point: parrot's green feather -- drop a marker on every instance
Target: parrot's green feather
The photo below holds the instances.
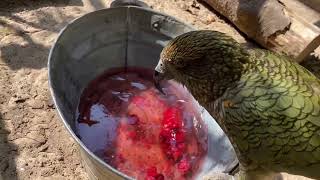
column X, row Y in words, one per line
column 285, row 109
column 268, row 105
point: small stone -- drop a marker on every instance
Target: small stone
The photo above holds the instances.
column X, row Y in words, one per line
column 50, row 103
column 210, row 19
column 43, row 148
column 195, row 4
column 20, row 99
column 192, row 11
column 61, row 158
column 184, row 7
column 36, row 104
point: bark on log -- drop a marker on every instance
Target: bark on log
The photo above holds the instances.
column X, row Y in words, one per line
column 284, row 26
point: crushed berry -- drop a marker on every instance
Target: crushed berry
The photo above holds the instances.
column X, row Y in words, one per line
column 159, row 177
column 184, row 166
column 152, row 174
column 152, row 171
column 172, row 134
column 138, row 130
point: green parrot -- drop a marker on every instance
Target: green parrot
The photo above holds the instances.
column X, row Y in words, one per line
column 267, row 105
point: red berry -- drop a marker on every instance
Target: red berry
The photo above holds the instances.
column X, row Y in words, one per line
column 153, row 175
column 159, row 177
column 132, row 135
column 138, row 100
column 150, row 178
column 172, row 134
column 121, row 158
column 180, row 136
column 181, row 146
column 184, row 166
column 152, row 171
column 172, row 118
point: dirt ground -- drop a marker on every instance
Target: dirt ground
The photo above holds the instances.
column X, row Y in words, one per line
column 33, row 142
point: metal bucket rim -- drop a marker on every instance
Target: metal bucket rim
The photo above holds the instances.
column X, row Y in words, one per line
column 54, row 98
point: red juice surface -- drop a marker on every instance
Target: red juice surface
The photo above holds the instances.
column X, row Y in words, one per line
column 125, row 121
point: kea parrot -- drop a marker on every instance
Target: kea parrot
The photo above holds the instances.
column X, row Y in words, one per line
column 267, row 105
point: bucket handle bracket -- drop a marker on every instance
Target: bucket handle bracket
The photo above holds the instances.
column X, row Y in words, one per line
column 123, row 3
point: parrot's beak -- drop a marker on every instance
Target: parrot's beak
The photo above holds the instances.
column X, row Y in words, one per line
column 158, row 77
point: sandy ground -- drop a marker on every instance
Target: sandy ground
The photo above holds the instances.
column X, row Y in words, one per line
column 33, row 142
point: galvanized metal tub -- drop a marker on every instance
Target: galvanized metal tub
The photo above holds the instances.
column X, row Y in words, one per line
column 116, row 37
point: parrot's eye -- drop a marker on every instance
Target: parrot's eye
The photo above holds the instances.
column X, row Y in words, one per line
column 165, row 60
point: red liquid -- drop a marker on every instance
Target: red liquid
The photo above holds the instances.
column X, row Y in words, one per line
column 130, row 125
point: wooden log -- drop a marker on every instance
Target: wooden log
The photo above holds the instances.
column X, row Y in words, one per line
column 284, row 26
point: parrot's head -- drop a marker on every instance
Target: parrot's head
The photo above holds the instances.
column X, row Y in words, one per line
column 205, row 62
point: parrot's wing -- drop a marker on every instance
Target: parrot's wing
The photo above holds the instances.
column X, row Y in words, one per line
column 275, row 113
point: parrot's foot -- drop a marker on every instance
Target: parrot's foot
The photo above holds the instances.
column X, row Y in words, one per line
column 218, row 176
